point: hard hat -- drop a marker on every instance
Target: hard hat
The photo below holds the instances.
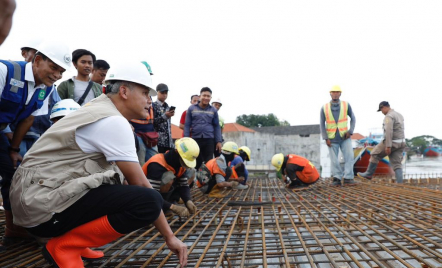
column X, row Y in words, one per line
column 135, row 72
column 32, row 43
column 218, row 100
column 147, row 66
column 58, row 52
column 230, row 146
column 246, row 150
column 189, row 150
column 64, row 107
column 277, row 161
column 336, row 88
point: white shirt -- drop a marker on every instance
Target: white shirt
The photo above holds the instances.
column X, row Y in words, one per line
column 80, row 88
column 29, row 76
column 111, row 136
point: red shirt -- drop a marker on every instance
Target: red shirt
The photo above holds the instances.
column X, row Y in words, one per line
column 183, row 119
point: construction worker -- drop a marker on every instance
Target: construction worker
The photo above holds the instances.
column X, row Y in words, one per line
column 72, row 188
column 63, row 108
column 214, row 175
column 392, row 145
column 24, row 93
column 171, row 174
column 244, row 155
column 336, row 133
column 300, row 171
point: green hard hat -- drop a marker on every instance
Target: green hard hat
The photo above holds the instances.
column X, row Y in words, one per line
column 148, row 67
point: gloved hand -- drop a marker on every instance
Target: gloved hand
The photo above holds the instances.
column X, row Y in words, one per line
column 191, row 207
column 180, row 211
column 234, row 184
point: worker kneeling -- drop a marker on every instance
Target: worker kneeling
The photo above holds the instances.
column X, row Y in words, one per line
column 300, row 171
column 171, row 174
column 69, row 187
column 213, row 175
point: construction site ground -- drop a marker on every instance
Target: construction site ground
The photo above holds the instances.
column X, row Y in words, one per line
column 373, row 224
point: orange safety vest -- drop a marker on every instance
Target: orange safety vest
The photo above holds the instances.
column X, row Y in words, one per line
column 159, row 158
column 234, row 173
column 213, row 168
column 309, row 174
column 330, row 123
column 149, row 118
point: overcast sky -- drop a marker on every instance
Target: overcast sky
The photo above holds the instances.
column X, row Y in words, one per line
column 263, row 57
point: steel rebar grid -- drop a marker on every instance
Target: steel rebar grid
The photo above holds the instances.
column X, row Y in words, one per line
column 370, row 225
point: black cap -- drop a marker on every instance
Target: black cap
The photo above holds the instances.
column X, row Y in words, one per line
column 162, row 88
column 383, row 104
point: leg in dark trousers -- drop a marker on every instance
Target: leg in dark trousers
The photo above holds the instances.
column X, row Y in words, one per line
column 206, row 150
column 127, row 207
column 6, row 170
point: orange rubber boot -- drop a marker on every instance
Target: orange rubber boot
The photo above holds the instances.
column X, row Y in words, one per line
column 88, row 253
column 65, row 251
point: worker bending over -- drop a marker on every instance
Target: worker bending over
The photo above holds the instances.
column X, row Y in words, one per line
column 171, row 174
column 244, row 155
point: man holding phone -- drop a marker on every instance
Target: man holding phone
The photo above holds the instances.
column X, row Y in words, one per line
column 162, row 124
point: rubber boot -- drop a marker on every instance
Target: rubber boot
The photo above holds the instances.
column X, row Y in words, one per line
column 65, row 250
column 13, row 233
column 399, row 175
column 368, row 174
column 88, row 253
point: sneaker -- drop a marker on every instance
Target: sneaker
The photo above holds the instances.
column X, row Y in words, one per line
column 363, row 176
column 336, row 182
column 350, row 182
column 241, row 187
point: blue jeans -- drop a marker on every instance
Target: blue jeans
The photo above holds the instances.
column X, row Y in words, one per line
column 145, row 153
column 27, row 143
column 347, row 152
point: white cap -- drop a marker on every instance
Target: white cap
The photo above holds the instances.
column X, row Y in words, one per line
column 58, row 52
column 218, row 100
column 134, row 72
column 64, row 107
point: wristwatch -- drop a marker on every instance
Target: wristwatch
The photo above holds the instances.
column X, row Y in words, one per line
column 17, row 150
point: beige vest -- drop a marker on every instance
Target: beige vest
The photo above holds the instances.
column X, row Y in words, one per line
column 55, row 172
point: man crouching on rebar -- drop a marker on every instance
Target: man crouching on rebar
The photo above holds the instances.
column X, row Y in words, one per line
column 69, row 187
column 213, row 175
column 301, row 172
column 171, row 174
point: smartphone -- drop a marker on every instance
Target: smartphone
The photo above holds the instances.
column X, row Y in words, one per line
column 172, row 108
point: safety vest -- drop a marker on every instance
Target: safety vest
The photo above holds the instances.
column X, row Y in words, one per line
column 330, row 123
column 309, row 174
column 13, row 107
column 159, row 158
column 212, row 167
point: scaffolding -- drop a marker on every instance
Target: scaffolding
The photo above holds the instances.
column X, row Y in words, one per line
column 373, row 224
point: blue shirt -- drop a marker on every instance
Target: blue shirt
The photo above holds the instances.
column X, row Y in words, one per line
column 238, row 160
column 202, row 123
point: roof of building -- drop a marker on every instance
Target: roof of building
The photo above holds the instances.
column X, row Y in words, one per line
column 290, row 130
column 234, row 127
column 177, row 132
column 357, row 136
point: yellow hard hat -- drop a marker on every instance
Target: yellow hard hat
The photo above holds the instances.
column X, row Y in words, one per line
column 336, row 88
column 188, row 150
column 230, row 146
column 277, row 161
column 246, row 150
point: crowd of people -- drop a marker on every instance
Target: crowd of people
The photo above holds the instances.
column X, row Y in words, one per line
column 91, row 159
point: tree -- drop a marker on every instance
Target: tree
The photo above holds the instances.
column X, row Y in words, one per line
column 253, row 120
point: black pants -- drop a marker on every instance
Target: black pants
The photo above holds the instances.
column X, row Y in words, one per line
column 127, row 207
column 207, row 147
column 6, row 170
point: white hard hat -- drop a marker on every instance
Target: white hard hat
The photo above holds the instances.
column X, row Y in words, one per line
column 135, row 72
column 33, row 42
column 218, row 100
column 58, row 52
column 64, row 107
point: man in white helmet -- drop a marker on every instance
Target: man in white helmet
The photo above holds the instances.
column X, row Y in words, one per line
column 24, row 91
column 63, row 108
column 70, row 188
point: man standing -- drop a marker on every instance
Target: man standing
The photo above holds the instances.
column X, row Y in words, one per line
column 202, row 124
column 81, row 88
column 393, row 144
column 336, row 133
column 217, row 104
column 24, row 93
column 99, row 71
column 71, row 188
column 162, row 123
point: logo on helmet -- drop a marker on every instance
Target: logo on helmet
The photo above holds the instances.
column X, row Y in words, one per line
column 67, row 58
column 183, row 147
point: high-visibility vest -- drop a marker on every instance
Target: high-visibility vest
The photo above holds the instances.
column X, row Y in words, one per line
column 309, row 174
column 159, row 158
column 213, row 168
column 330, row 123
